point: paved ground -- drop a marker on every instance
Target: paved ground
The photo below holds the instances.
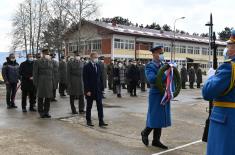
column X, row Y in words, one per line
column 65, row 134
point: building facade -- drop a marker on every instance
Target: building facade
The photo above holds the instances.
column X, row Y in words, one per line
column 128, row 42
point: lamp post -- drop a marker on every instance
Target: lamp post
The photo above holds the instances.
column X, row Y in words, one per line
column 210, row 24
column 174, row 38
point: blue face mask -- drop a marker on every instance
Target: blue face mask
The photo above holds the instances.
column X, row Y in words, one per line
column 225, row 54
column 161, row 57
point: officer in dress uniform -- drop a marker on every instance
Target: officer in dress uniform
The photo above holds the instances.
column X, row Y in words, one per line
column 219, row 88
column 43, row 81
column 75, row 83
column 158, row 116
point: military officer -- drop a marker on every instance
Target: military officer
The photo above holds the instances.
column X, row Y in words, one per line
column 158, row 116
column 43, row 81
column 56, row 76
column 219, row 88
column 75, row 82
column 103, row 68
column 62, row 76
column 110, row 74
column 184, row 76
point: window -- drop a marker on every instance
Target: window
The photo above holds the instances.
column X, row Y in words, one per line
column 182, row 49
column 204, row 51
column 196, row 50
column 190, row 50
column 220, row 52
column 177, row 49
column 96, row 45
column 167, row 48
column 124, row 44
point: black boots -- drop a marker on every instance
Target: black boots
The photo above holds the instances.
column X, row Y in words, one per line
column 144, row 134
column 156, row 137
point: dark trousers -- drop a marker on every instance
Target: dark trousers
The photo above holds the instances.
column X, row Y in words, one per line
column 114, row 88
column 32, row 98
column 198, row 85
column 148, row 85
column 183, row 85
column 43, row 106
column 62, row 88
column 123, row 86
column 133, row 85
column 54, row 93
column 142, row 84
column 99, row 109
column 191, row 85
column 110, row 84
column 81, row 103
column 11, row 93
column 157, row 132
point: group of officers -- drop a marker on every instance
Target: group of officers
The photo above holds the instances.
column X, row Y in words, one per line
column 191, row 75
column 128, row 75
column 41, row 75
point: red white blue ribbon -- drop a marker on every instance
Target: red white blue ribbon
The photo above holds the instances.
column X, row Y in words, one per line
column 169, row 93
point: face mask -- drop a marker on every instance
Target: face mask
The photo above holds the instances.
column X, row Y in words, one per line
column 102, row 61
column 30, row 59
column 135, row 64
column 120, row 65
column 78, row 58
column 161, row 57
column 48, row 57
column 96, row 60
column 225, row 54
column 13, row 59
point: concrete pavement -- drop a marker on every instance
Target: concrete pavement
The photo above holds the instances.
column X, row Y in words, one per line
column 66, row 134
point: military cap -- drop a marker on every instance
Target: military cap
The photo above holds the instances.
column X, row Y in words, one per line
column 46, row 51
column 232, row 38
column 101, row 58
column 153, row 49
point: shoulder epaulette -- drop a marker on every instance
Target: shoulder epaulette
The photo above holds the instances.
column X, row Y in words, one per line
column 228, row 60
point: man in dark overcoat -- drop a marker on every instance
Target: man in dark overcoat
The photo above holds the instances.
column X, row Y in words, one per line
column 75, row 83
column 27, row 87
column 43, row 81
column 184, row 76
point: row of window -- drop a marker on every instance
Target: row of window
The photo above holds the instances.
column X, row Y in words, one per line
column 189, row 49
column 124, row 44
column 94, row 45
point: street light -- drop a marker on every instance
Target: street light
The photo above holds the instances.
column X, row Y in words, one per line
column 174, row 38
column 210, row 24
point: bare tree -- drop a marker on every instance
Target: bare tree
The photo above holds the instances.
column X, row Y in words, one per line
column 78, row 11
column 19, row 31
column 28, row 22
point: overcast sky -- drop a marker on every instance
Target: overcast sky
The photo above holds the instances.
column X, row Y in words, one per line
column 197, row 13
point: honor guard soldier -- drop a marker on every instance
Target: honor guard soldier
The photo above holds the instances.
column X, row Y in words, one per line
column 43, row 81
column 219, row 88
column 158, row 116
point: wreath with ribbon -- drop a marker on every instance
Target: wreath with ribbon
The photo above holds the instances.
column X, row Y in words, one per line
column 168, row 82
